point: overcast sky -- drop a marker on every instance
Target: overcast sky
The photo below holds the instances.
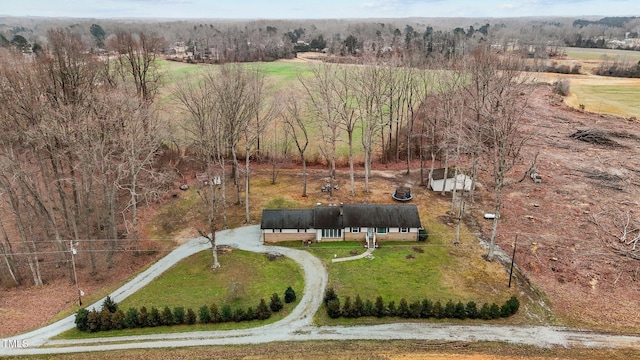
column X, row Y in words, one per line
column 305, row 9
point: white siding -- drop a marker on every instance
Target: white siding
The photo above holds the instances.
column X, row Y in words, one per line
column 463, row 183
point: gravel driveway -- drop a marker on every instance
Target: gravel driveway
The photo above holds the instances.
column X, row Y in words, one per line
column 297, row 326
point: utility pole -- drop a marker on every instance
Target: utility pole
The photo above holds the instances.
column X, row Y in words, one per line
column 515, row 243
column 75, row 275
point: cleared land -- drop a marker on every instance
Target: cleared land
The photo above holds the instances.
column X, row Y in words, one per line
column 560, row 248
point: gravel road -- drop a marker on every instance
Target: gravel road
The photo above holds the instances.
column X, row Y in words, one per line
column 297, row 326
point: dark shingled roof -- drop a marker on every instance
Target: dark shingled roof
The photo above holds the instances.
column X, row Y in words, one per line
column 327, row 217
column 287, row 219
column 438, row 174
column 354, row 215
column 375, row 215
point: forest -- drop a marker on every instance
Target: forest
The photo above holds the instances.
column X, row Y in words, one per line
column 219, row 41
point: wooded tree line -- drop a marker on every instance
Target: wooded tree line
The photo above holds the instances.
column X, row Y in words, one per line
column 223, row 41
column 81, row 141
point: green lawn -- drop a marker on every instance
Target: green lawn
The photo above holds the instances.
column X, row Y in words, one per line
column 242, row 280
column 191, row 283
column 282, row 203
column 396, row 271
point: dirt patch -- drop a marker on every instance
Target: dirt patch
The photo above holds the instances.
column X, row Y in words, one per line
column 447, row 219
column 273, row 256
column 418, row 250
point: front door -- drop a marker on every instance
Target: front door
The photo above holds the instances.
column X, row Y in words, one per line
column 370, row 238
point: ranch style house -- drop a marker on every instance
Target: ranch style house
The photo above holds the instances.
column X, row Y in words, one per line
column 370, row 223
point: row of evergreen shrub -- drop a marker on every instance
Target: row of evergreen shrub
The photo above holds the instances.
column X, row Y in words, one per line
column 424, row 309
column 110, row 317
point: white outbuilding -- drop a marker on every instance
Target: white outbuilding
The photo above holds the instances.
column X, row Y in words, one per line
column 437, row 180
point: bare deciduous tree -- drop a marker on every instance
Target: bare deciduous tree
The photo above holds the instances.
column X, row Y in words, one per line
column 206, row 127
column 344, row 89
column 62, row 157
column 501, row 129
column 622, row 230
column 219, row 111
column 137, row 60
column 372, row 81
column 297, row 127
column 263, row 115
column 322, row 104
column 140, row 144
column 237, row 91
column 278, row 151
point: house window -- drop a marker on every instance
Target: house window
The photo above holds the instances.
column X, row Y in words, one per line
column 404, row 230
column 382, row 230
column 355, row 229
column 332, row 233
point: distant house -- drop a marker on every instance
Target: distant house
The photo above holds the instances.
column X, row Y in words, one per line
column 370, row 223
column 437, row 180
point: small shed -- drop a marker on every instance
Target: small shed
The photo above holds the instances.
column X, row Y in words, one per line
column 437, row 181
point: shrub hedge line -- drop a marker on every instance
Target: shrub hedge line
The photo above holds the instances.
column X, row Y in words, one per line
column 425, row 309
column 111, row 317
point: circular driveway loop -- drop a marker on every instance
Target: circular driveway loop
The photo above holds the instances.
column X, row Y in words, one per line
column 297, row 326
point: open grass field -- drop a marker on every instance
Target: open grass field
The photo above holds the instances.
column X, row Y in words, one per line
column 283, row 73
column 601, row 54
column 622, row 99
column 281, row 77
column 597, row 94
column 600, row 94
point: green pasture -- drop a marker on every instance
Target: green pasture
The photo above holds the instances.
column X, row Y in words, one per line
column 284, row 73
column 281, row 76
column 614, row 98
column 279, row 73
column 175, row 71
column 601, row 54
column 621, row 100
